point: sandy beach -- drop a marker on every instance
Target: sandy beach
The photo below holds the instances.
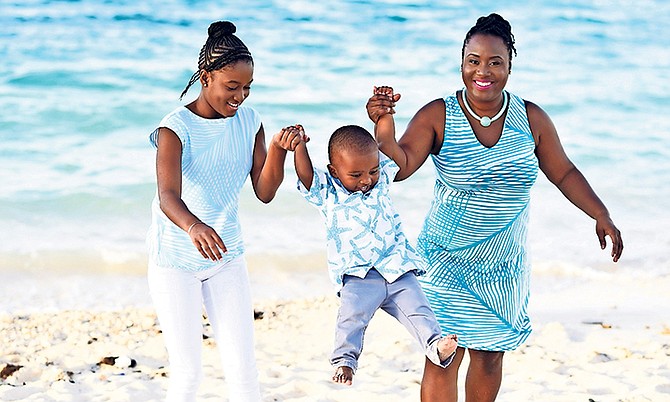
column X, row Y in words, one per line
column 594, row 340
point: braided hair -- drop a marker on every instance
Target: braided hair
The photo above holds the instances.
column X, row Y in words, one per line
column 221, row 49
column 494, row 25
column 352, row 137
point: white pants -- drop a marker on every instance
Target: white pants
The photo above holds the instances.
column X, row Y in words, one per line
column 178, row 297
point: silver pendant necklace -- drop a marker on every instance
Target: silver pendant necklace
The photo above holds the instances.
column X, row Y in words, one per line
column 485, row 121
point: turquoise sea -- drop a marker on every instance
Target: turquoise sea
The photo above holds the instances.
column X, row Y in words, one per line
column 83, row 83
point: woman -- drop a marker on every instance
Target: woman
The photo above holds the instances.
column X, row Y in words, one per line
column 487, row 145
column 205, row 152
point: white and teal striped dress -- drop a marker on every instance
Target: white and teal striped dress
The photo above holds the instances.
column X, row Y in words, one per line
column 474, row 237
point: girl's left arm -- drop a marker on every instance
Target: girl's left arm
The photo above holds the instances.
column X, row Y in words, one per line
column 267, row 169
column 560, row 171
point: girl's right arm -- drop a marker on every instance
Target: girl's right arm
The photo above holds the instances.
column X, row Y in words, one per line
column 168, row 175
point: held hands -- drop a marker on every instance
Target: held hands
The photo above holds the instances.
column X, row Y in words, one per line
column 290, row 137
column 207, row 241
column 382, row 102
column 605, row 227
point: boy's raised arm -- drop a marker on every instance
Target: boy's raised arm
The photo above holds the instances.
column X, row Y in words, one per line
column 380, row 110
column 302, row 161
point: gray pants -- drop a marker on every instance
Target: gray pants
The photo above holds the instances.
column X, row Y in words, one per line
column 403, row 299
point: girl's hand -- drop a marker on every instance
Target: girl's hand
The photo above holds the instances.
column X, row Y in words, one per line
column 290, row 137
column 381, row 102
column 207, row 241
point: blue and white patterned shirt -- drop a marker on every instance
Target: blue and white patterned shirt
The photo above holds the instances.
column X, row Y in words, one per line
column 363, row 230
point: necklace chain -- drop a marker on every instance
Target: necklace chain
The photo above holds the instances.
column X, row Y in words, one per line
column 485, row 121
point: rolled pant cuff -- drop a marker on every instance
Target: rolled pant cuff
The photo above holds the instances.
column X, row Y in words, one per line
column 344, row 362
column 434, row 357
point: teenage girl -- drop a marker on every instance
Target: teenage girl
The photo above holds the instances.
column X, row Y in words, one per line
column 205, row 152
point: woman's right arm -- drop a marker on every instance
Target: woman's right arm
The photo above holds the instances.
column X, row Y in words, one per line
column 168, row 177
column 421, row 138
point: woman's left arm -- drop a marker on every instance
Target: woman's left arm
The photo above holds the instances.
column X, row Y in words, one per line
column 267, row 169
column 560, row 171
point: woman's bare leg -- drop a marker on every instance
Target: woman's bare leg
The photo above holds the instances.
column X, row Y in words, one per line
column 441, row 384
column 484, row 376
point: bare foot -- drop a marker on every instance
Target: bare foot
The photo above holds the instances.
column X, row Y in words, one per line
column 344, row 375
column 446, row 347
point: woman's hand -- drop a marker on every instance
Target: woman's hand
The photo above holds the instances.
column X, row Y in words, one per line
column 381, row 102
column 605, row 227
column 207, row 241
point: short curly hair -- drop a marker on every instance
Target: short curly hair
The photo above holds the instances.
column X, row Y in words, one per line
column 350, row 137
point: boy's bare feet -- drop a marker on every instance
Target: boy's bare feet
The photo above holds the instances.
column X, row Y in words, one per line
column 446, row 346
column 344, row 375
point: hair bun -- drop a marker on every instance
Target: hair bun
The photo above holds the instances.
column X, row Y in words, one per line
column 221, row 28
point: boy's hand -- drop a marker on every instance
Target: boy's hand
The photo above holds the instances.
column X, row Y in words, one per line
column 304, row 137
column 381, row 103
column 290, row 137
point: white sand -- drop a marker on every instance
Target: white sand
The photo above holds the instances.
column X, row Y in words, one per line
column 605, row 339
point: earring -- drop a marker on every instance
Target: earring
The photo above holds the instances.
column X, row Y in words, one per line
column 204, row 85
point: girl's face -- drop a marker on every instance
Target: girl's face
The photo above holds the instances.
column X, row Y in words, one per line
column 224, row 90
column 485, row 67
column 357, row 171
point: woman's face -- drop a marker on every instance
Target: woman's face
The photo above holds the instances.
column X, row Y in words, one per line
column 228, row 87
column 486, row 66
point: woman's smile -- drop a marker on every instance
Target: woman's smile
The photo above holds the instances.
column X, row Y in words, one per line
column 483, row 84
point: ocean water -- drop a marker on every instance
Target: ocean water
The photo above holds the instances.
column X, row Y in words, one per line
column 83, row 83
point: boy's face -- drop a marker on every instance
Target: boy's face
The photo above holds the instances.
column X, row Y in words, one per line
column 358, row 171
